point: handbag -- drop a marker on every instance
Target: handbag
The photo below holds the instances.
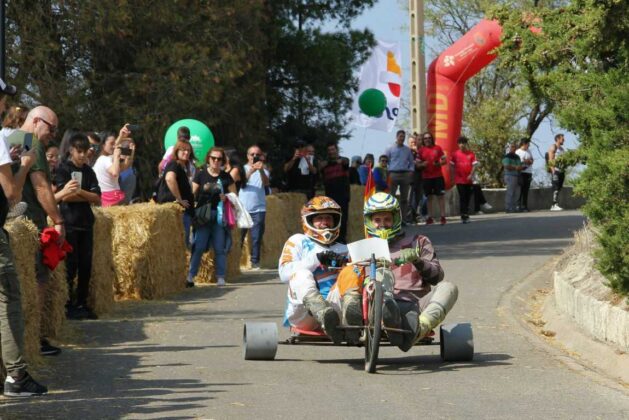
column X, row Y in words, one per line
column 203, row 214
column 243, row 218
column 229, row 216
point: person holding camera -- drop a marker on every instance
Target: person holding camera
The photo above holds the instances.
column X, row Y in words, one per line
column 300, row 169
column 253, row 198
column 18, row 382
column 116, row 156
column 209, row 186
column 77, row 190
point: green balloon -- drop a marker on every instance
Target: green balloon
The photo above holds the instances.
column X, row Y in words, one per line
column 372, row 102
column 201, row 137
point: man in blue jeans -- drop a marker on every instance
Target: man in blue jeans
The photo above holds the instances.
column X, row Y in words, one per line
column 253, row 197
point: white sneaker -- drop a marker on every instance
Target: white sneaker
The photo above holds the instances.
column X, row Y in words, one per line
column 220, row 281
column 17, row 210
column 487, row 207
column 555, row 207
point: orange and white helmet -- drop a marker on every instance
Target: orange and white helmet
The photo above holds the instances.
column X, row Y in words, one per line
column 321, row 205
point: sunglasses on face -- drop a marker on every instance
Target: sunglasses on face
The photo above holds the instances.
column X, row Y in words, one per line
column 218, row 158
column 384, row 161
column 51, row 127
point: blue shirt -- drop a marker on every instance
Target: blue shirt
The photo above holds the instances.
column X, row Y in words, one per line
column 253, row 195
column 400, row 158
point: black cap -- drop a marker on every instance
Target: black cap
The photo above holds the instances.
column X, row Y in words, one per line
column 6, row 88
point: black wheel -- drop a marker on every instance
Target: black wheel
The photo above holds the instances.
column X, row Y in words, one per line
column 374, row 328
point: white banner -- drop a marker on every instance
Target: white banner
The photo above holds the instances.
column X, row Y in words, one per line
column 382, row 71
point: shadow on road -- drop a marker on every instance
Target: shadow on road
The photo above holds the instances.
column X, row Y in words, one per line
column 420, row 364
column 96, row 375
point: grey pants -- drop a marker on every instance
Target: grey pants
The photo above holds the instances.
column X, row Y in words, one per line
column 405, row 181
column 513, row 192
column 11, row 321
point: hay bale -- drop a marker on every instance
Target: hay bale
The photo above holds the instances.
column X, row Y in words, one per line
column 55, row 302
column 282, row 220
column 101, row 297
column 245, row 254
column 25, row 243
column 148, row 249
column 206, row 272
column 355, row 228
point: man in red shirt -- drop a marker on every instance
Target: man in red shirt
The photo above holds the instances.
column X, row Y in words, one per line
column 463, row 163
column 432, row 159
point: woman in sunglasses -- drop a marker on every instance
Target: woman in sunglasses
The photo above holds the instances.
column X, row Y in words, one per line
column 209, row 186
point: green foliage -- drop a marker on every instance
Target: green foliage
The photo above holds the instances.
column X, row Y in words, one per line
column 497, row 100
column 581, row 62
column 254, row 71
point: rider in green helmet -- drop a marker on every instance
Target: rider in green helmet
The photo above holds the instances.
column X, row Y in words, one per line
column 416, row 297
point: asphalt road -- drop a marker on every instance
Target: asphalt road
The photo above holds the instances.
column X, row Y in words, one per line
column 182, row 358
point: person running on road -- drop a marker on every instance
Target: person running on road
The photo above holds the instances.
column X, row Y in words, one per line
column 416, row 298
column 308, row 264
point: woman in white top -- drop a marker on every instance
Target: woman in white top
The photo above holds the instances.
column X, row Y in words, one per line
column 526, row 175
column 111, row 163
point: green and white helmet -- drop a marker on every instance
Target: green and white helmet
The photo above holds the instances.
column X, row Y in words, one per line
column 381, row 202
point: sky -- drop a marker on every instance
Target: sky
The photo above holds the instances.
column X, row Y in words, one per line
column 389, row 22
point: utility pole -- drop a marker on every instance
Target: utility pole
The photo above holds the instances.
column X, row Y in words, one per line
column 418, row 66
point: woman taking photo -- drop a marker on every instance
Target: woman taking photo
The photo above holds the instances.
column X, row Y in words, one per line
column 116, row 156
column 209, row 186
column 176, row 186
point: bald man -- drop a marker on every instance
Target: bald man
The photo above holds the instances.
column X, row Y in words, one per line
column 42, row 122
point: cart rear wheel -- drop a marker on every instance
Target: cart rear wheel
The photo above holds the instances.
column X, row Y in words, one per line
column 373, row 331
column 456, row 342
column 259, row 340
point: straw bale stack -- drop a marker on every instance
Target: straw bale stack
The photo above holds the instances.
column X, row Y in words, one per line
column 355, row 228
column 101, row 298
column 25, row 243
column 148, row 249
column 55, row 303
column 206, row 272
column 282, row 220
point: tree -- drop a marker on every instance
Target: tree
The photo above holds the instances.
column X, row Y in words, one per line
column 581, row 62
column 498, row 108
column 99, row 64
column 311, row 81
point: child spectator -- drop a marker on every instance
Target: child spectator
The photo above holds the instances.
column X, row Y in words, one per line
column 110, row 164
column 78, row 190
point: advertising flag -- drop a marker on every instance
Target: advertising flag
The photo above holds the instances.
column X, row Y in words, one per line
column 377, row 103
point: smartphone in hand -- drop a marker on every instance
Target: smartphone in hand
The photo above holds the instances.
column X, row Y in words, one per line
column 78, row 177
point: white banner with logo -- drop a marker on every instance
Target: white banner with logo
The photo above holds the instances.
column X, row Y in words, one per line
column 382, row 71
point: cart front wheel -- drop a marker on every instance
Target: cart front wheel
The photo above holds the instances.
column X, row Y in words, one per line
column 373, row 331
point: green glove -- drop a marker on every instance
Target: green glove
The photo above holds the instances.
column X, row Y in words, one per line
column 408, row 255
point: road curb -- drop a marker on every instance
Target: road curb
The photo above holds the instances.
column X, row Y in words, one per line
column 521, row 306
column 580, row 294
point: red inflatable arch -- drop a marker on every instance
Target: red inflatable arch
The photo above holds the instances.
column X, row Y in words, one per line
column 446, row 84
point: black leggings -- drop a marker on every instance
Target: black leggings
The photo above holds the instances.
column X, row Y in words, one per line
column 523, row 201
column 465, row 193
column 79, row 262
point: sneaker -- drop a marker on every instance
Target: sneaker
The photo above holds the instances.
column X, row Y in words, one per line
column 17, row 210
column 430, row 221
column 189, row 284
column 555, row 207
column 255, row 267
column 352, row 315
column 220, row 281
column 47, row 349
column 465, row 221
column 479, row 212
column 25, row 387
column 79, row 312
column 487, row 207
column 443, row 220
